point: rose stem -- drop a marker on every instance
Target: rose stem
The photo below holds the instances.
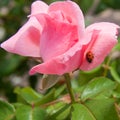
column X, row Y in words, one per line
column 106, row 66
column 69, row 87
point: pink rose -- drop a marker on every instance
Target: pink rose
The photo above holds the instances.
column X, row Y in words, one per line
column 56, row 33
column 103, row 38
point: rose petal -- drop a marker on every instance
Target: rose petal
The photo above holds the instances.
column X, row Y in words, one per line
column 72, row 13
column 26, row 41
column 103, row 39
column 64, row 63
column 39, row 7
column 56, row 38
column 57, row 15
column 105, row 27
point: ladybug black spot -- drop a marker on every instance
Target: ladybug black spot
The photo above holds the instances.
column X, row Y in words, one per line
column 89, row 56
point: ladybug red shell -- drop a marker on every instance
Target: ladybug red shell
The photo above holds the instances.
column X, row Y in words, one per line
column 89, row 56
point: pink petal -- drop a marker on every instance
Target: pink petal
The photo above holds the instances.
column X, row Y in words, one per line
column 64, row 63
column 39, row 7
column 103, row 39
column 72, row 13
column 26, row 41
column 105, row 27
column 56, row 38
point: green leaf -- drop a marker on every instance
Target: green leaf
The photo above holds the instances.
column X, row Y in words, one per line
column 25, row 112
column 80, row 112
column 17, row 105
column 52, row 109
column 115, row 74
column 59, row 111
column 103, row 109
column 116, row 92
column 59, row 90
column 47, row 98
column 7, row 111
column 28, row 94
column 97, row 86
column 64, row 113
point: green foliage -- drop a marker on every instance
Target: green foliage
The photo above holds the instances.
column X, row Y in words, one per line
column 7, row 111
column 114, row 73
column 97, row 86
column 25, row 112
column 80, row 112
column 28, row 94
column 102, row 109
column 92, row 104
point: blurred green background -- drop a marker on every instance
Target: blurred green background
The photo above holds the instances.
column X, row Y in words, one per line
column 13, row 14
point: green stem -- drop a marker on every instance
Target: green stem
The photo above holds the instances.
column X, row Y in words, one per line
column 106, row 67
column 69, row 87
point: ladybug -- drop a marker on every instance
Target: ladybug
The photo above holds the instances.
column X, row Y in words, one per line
column 89, row 56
